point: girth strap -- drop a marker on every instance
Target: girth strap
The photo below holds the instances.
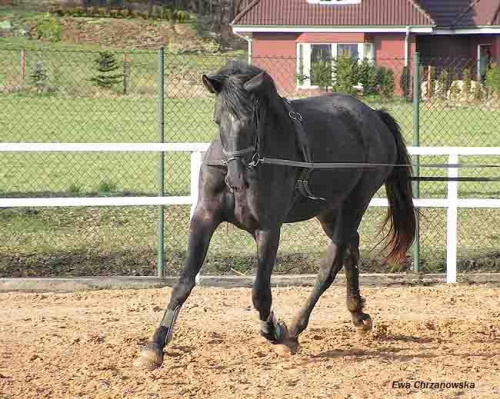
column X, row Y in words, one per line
column 303, row 181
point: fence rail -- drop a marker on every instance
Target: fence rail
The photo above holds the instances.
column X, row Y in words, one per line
column 452, row 201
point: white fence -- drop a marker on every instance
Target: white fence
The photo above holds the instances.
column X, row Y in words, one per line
column 451, row 202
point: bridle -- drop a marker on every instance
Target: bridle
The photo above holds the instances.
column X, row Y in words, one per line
column 302, row 184
column 253, row 148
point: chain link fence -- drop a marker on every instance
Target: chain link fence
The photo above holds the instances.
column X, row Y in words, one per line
column 113, row 97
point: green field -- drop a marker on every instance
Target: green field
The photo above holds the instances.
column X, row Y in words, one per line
column 102, row 241
column 40, row 118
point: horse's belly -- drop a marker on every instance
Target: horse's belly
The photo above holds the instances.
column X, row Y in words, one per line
column 331, row 188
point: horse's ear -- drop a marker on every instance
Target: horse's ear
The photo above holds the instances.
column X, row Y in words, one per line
column 257, row 82
column 213, row 83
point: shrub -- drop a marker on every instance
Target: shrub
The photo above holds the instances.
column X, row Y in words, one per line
column 367, row 77
column 74, row 189
column 106, row 66
column 181, row 16
column 466, row 76
column 477, row 91
column 49, row 28
column 345, row 73
column 443, row 84
column 321, row 73
column 39, row 76
column 405, row 82
column 492, row 80
column 386, row 82
column 106, row 187
column 431, row 81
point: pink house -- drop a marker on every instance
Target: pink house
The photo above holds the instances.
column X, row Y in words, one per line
column 288, row 35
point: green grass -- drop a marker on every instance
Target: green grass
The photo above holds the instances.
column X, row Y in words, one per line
column 110, row 241
column 105, row 241
column 55, row 118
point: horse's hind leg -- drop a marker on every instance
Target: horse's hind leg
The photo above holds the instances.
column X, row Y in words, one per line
column 330, row 266
column 355, row 302
column 202, row 226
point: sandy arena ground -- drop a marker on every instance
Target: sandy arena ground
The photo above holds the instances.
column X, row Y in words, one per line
column 83, row 344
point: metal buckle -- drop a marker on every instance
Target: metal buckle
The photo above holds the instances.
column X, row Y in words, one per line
column 295, row 116
column 256, row 159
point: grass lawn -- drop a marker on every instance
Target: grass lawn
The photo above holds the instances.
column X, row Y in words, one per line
column 55, row 118
column 122, row 241
column 104, row 241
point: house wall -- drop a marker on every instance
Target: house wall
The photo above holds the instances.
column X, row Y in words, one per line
column 444, row 46
column 343, row 38
column 456, row 52
column 276, row 53
column 390, row 53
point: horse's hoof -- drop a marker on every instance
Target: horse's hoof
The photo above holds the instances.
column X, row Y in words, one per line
column 287, row 347
column 292, row 344
column 365, row 325
column 149, row 359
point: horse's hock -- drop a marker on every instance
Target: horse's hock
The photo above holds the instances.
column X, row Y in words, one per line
column 83, row 344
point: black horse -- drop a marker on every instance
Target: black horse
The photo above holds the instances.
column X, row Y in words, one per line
column 240, row 184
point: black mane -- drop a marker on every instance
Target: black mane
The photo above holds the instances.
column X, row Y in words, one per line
column 235, row 98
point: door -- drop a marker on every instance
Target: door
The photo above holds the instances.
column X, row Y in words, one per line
column 483, row 60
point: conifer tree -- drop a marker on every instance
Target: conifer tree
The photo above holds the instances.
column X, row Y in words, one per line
column 107, row 66
column 39, row 76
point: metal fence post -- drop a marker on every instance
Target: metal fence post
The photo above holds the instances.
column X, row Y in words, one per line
column 416, row 160
column 23, row 65
column 161, row 163
column 125, row 74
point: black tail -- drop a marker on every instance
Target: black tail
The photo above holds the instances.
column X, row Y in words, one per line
column 401, row 217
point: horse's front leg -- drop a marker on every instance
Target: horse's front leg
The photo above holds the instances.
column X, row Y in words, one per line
column 267, row 246
column 202, row 226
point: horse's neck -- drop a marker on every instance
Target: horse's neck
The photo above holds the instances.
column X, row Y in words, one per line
column 278, row 138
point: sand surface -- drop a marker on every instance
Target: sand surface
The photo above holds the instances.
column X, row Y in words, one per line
column 82, row 345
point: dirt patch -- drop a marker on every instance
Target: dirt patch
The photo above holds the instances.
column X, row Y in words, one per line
column 82, row 345
column 116, row 33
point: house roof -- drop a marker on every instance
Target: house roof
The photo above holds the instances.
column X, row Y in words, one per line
column 300, row 12
column 442, row 13
column 462, row 13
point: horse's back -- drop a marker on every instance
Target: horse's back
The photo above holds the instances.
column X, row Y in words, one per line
column 343, row 128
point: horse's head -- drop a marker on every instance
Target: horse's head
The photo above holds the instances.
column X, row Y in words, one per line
column 240, row 91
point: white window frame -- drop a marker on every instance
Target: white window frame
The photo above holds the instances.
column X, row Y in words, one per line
column 303, row 52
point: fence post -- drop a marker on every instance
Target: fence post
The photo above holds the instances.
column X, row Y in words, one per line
column 196, row 160
column 416, row 158
column 23, row 65
column 452, row 222
column 125, row 74
column 161, row 163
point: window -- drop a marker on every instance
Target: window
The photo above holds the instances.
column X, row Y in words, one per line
column 321, row 56
column 316, row 60
column 350, row 50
